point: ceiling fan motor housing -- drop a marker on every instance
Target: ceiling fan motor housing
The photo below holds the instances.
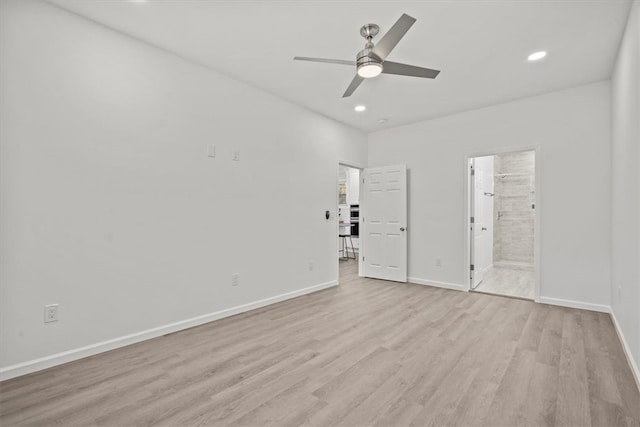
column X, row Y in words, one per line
column 366, row 57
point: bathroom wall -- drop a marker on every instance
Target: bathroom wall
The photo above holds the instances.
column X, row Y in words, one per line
column 514, row 225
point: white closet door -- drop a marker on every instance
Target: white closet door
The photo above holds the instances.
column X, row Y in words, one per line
column 384, row 223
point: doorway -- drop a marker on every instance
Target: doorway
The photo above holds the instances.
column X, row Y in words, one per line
column 348, row 217
column 502, row 224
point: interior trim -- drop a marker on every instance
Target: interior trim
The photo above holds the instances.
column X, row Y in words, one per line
column 575, row 304
column 627, row 350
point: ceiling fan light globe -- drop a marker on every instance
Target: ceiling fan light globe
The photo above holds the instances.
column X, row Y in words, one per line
column 369, row 70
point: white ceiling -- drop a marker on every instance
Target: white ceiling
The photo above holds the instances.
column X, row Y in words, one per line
column 480, row 46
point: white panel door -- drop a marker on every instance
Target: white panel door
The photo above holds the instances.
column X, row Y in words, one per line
column 384, row 223
column 482, row 256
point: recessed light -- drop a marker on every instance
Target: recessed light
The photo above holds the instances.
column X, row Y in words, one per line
column 360, row 108
column 382, row 121
column 535, row 56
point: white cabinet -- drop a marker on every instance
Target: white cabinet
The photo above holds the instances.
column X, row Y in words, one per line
column 353, row 186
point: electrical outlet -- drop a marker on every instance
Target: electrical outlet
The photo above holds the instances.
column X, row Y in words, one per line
column 235, row 279
column 310, row 265
column 50, row 313
column 236, row 156
column 438, row 262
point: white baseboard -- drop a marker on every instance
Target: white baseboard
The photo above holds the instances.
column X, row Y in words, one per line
column 575, row 304
column 627, row 351
column 90, row 350
column 454, row 286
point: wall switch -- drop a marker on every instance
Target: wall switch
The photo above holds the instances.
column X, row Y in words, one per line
column 236, row 156
column 311, row 266
column 235, row 279
column 438, row 262
column 50, row 313
column 211, row 150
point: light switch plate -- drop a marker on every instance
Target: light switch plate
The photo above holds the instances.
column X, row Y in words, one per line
column 211, row 150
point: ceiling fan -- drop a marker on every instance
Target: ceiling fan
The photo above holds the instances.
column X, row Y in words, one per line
column 371, row 61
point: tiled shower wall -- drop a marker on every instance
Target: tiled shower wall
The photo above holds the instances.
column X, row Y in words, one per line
column 514, row 214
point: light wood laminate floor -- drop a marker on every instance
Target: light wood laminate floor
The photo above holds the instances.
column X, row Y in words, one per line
column 368, row 352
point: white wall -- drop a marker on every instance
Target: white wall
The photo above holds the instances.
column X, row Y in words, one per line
column 110, row 206
column 571, row 129
column 625, row 195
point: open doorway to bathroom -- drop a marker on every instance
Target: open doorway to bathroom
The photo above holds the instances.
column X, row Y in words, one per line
column 503, row 224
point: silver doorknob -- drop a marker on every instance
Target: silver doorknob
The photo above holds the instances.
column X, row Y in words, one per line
column 401, row 228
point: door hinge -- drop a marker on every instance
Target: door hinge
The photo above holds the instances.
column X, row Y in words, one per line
column 363, row 259
column 473, row 171
column 472, row 268
column 473, row 220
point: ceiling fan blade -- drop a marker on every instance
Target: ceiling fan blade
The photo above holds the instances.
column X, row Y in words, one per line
column 393, row 36
column 328, row 61
column 353, row 86
column 389, row 67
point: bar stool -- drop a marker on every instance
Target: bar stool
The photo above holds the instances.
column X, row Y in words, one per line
column 345, row 248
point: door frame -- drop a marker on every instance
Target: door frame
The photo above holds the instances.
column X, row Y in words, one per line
column 467, row 211
column 471, row 167
column 360, row 167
